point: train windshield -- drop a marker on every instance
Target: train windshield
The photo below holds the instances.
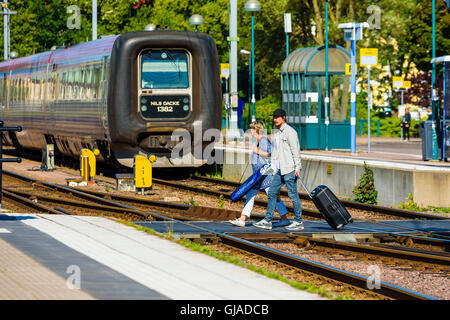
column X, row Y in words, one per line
column 164, row 69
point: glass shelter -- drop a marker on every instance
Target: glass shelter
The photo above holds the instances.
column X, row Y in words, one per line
column 303, row 94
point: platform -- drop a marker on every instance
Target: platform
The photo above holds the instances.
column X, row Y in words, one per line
column 398, row 170
column 110, row 260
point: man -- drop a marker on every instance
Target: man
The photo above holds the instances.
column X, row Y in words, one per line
column 406, row 123
column 286, row 165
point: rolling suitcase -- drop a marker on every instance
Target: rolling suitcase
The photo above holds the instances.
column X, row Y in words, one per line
column 329, row 206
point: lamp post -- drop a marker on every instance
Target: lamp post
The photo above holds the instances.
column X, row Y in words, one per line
column 327, row 94
column 287, row 30
column 94, row 19
column 353, row 31
column 253, row 6
column 196, row 20
column 6, row 12
column 434, row 97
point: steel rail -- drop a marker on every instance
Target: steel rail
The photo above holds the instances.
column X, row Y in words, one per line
column 414, row 238
column 305, row 211
column 420, row 256
column 77, row 204
column 350, row 204
column 350, row 278
column 30, row 203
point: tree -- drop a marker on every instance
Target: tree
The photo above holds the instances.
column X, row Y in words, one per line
column 365, row 191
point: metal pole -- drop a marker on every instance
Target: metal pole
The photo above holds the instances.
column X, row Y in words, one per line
column 249, row 118
column 287, row 44
column 233, row 38
column 369, row 106
column 433, row 86
column 227, row 104
column 6, row 31
column 353, row 95
column 327, row 97
column 444, row 127
column 94, row 19
column 253, row 67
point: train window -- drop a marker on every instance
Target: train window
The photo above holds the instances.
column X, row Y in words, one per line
column 164, row 69
column 97, row 76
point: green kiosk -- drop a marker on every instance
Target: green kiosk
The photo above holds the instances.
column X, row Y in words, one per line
column 303, row 94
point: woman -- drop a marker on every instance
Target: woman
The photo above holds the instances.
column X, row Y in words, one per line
column 260, row 155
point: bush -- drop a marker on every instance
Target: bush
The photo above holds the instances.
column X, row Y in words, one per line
column 365, row 191
column 264, row 108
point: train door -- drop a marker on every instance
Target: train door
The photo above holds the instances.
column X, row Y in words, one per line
column 51, row 96
column 103, row 109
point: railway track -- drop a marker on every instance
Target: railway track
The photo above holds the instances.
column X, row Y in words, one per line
column 215, row 183
column 116, row 205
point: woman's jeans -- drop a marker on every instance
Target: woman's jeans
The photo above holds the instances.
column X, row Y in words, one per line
column 250, row 201
column 290, row 180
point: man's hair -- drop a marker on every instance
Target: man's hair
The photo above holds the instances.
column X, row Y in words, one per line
column 258, row 125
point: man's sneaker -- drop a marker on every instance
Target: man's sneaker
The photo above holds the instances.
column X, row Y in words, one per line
column 281, row 223
column 263, row 224
column 295, row 226
column 237, row 222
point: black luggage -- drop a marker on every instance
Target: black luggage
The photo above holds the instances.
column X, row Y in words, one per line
column 329, row 206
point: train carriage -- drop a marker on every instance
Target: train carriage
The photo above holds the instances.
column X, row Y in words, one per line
column 123, row 94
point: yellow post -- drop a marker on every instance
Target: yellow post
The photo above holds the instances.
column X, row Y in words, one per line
column 143, row 171
column 85, row 168
column 88, row 165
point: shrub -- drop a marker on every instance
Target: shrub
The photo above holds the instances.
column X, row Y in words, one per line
column 365, row 191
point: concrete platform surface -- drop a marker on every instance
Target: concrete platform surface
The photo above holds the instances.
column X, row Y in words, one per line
column 109, row 260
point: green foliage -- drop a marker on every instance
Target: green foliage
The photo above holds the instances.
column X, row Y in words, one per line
column 191, row 202
column 264, row 108
column 404, row 24
column 409, row 204
column 365, row 191
column 220, row 202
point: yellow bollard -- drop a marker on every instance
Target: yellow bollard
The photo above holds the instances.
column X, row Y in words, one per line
column 85, row 168
column 143, row 171
column 88, row 165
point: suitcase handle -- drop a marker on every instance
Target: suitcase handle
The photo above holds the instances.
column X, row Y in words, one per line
column 304, row 187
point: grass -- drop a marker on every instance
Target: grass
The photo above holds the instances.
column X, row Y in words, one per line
column 409, row 204
column 220, row 202
column 224, row 256
column 191, row 202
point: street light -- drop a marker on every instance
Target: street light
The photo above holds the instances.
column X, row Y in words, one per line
column 196, row 20
column 253, row 6
column 6, row 31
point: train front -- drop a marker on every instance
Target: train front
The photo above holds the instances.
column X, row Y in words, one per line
column 164, row 94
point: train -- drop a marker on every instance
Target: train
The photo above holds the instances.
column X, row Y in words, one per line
column 122, row 94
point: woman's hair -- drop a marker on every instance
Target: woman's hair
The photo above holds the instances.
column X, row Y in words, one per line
column 258, row 125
